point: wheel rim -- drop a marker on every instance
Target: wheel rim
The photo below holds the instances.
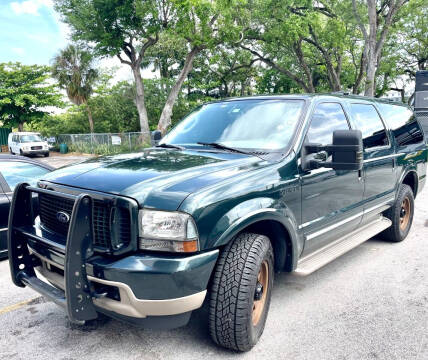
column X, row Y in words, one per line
column 260, row 293
column 405, row 212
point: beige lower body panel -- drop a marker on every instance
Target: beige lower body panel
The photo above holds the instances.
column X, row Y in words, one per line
column 129, row 304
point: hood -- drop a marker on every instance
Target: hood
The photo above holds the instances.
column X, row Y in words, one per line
column 35, row 143
column 158, row 178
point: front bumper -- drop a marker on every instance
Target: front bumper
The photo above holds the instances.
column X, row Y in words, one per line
column 146, row 289
column 35, row 152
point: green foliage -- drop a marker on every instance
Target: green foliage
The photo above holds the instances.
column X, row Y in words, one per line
column 114, row 111
column 73, row 68
column 25, row 93
column 244, row 47
column 108, row 25
column 84, row 147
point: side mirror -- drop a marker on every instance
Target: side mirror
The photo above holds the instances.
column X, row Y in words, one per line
column 156, row 137
column 346, row 150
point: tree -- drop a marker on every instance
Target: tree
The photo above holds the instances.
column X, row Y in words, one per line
column 25, row 93
column 203, row 25
column 223, row 71
column 380, row 17
column 121, row 28
column 73, row 68
column 303, row 40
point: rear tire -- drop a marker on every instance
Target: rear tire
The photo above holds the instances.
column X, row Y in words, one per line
column 241, row 292
column 401, row 215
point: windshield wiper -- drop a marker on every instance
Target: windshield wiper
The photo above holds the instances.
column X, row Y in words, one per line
column 170, row 146
column 227, row 148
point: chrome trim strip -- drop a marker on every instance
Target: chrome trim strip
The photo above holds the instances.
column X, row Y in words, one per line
column 383, row 157
column 3, row 229
column 344, row 221
column 378, row 205
column 310, row 222
column 333, row 226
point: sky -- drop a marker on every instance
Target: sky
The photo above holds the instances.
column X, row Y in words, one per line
column 31, row 32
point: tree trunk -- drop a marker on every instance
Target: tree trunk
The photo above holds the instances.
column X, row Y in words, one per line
column 21, row 127
column 300, row 57
column 370, row 77
column 91, row 121
column 371, row 49
column 139, row 100
column 165, row 118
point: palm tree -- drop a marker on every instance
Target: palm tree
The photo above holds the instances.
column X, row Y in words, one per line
column 73, row 68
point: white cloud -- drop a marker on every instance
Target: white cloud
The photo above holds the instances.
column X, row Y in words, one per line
column 30, row 6
column 18, row 50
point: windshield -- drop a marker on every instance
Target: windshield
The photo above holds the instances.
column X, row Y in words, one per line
column 30, row 138
column 245, row 124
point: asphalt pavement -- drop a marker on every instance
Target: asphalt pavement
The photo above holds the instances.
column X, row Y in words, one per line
column 371, row 303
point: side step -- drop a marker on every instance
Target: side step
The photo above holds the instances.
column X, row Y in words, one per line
column 328, row 253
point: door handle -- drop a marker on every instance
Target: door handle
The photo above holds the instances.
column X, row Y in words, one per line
column 360, row 175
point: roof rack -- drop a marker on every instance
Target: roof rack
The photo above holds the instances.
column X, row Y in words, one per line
column 341, row 92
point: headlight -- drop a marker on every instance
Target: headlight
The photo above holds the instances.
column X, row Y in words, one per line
column 167, row 231
column 26, row 148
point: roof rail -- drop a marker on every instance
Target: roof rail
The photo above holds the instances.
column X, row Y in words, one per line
column 341, row 92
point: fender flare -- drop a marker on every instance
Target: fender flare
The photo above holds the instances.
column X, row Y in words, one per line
column 266, row 214
column 407, row 171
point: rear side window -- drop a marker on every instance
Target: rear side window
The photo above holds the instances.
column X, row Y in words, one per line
column 403, row 124
column 368, row 121
column 326, row 118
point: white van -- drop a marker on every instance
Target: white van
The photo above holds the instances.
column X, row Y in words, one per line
column 27, row 143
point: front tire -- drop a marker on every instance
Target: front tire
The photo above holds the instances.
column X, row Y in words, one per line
column 241, row 292
column 401, row 215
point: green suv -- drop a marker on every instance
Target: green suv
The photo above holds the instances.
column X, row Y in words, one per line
column 238, row 190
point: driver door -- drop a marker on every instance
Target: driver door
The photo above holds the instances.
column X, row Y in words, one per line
column 331, row 199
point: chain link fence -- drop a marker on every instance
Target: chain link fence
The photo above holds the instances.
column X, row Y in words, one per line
column 104, row 144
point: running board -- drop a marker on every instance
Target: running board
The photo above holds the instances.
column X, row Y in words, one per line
column 332, row 251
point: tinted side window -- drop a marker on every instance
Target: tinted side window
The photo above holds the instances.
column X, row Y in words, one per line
column 326, row 118
column 368, row 121
column 403, row 124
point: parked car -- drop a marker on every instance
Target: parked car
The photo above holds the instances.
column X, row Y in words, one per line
column 13, row 170
column 27, row 143
column 238, row 190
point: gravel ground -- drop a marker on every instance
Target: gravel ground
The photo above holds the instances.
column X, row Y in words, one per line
column 371, row 303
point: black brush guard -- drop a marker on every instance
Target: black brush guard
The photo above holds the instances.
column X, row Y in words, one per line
column 77, row 297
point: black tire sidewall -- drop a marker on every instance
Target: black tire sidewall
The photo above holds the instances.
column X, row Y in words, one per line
column 232, row 291
column 396, row 234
